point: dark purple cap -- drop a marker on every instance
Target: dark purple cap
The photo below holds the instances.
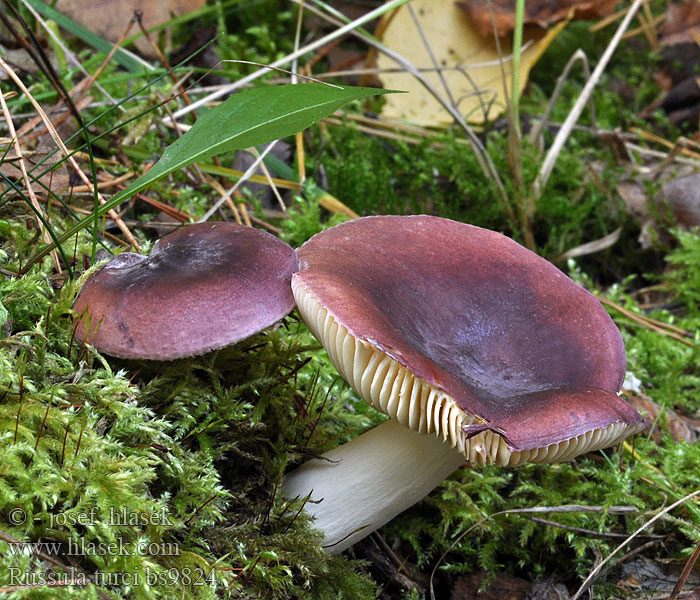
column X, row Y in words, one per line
column 203, row 287
column 533, row 356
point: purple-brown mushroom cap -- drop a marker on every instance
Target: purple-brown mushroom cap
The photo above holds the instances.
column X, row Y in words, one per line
column 460, row 331
column 203, row 287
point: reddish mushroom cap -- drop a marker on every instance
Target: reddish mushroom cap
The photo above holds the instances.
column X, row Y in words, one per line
column 461, row 331
column 203, row 287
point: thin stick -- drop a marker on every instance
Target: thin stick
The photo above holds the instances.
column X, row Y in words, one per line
column 244, row 209
column 138, row 18
column 595, row 572
column 659, row 326
column 433, row 58
column 245, row 176
column 290, row 57
column 687, row 569
column 266, row 173
column 381, row 133
column 299, row 137
column 67, row 51
column 565, row 131
column 659, row 140
column 603, row 23
column 517, row 43
column 579, row 55
column 567, row 508
column 297, row 41
column 482, row 156
column 59, row 142
column 590, row 532
column 104, row 184
column 25, row 176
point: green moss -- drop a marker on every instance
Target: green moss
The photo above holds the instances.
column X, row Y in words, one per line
column 193, row 450
column 375, row 176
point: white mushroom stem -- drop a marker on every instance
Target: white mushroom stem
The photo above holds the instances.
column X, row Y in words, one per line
column 358, row 487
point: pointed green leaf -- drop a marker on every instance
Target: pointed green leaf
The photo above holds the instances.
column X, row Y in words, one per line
column 248, row 118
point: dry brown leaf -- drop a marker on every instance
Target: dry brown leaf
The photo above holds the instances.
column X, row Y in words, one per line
column 472, row 65
column 682, row 429
column 109, row 18
column 682, row 20
column 543, row 13
column 506, row 587
column 646, row 578
column 677, row 204
column 57, row 180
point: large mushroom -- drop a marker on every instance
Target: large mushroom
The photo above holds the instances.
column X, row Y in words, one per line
column 202, row 287
column 463, row 335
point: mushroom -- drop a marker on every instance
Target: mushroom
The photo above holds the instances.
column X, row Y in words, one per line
column 458, row 333
column 203, row 287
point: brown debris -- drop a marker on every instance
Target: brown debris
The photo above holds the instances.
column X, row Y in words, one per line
column 109, row 18
column 506, row 587
column 541, row 13
column 682, row 429
column 646, row 578
column 678, row 37
column 682, row 23
column 395, row 574
column 677, row 204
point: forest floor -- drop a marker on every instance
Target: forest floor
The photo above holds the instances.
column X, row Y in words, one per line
column 140, row 479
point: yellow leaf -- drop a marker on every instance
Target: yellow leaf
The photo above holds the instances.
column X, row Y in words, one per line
column 473, row 71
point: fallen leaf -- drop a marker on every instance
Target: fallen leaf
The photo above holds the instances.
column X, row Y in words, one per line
column 471, row 63
column 645, row 578
column 57, row 180
column 677, row 204
column 682, row 20
column 20, row 60
column 109, row 18
column 543, row 13
column 677, row 79
column 682, row 103
column 682, row 196
column 682, row 429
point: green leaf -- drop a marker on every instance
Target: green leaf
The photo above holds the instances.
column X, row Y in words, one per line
column 248, row 118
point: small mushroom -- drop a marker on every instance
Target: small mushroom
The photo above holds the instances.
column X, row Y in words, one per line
column 203, row 287
column 456, row 332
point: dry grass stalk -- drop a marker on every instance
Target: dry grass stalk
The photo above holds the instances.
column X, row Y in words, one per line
column 28, row 186
column 66, row 153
